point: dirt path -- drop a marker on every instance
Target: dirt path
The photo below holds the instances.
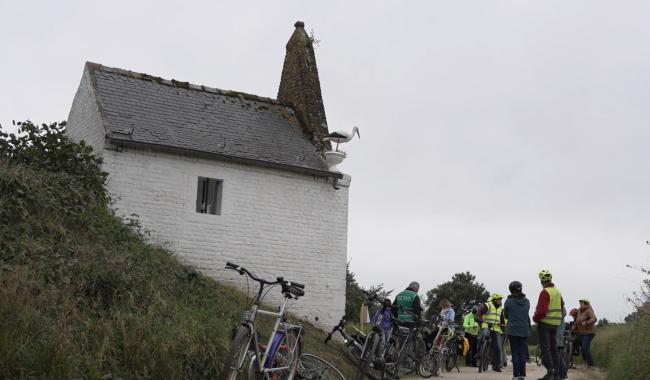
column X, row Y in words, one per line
column 532, row 372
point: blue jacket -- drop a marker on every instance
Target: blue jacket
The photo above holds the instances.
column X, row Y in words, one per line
column 516, row 310
column 448, row 315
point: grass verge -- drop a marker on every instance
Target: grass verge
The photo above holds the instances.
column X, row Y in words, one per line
column 624, row 350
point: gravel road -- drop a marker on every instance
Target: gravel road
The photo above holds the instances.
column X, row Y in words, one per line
column 532, row 371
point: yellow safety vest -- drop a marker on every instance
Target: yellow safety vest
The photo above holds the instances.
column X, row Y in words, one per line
column 554, row 313
column 493, row 316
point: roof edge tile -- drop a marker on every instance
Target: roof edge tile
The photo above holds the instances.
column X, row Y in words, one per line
column 92, row 66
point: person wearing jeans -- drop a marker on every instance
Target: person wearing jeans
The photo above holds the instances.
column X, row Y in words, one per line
column 560, row 350
column 516, row 313
column 586, row 326
column 548, row 316
column 492, row 323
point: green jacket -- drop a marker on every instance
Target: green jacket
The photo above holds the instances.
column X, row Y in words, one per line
column 469, row 324
column 409, row 301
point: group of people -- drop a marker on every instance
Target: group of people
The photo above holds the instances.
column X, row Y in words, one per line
column 510, row 321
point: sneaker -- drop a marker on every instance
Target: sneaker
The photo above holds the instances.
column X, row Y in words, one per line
column 496, row 369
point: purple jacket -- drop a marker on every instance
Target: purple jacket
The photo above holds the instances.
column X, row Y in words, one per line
column 388, row 319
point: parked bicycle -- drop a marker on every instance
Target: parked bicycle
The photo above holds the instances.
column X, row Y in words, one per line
column 569, row 339
column 390, row 347
column 485, row 352
column 455, row 349
column 406, row 349
column 354, row 342
column 438, row 354
column 279, row 358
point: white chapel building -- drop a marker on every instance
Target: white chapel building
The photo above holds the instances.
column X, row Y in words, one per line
column 220, row 176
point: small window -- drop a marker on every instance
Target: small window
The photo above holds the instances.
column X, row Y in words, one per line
column 208, row 196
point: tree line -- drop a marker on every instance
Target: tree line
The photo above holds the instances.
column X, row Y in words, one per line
column 463, row 291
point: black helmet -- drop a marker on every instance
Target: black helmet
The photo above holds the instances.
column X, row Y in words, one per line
column 515, row 287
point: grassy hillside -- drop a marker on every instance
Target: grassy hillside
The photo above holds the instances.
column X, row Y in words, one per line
column 82, row 296
column 624, row 350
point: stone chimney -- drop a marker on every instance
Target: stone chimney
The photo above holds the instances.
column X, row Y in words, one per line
column 300, row 85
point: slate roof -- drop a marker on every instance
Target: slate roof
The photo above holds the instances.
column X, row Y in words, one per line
column 140, row 110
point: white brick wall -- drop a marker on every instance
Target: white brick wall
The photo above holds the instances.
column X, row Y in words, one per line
column 84, row 120
column 274, row 222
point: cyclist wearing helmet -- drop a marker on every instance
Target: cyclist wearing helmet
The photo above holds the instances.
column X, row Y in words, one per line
column 409, row 302
column 516, row 311
column 471, row 333
column 491, row 316
column 548, row 316
column 586, row 326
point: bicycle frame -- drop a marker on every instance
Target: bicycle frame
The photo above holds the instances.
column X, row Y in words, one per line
column 377, row 329
column 404, row 338
column 263, row 361
column 485, row 340
column 348, row 339
column 440, row 342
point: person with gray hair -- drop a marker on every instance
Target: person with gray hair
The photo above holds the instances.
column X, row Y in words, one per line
column 409, row 302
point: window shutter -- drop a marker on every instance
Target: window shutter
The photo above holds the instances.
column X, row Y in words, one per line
column 211, row 197
column 200, row 196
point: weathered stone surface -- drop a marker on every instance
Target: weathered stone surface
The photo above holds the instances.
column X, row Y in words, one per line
column 300, row 85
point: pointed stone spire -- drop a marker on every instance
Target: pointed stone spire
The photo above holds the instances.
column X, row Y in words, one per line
column 300, row 85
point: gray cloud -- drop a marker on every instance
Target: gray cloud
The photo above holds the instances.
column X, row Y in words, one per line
column 498, row 137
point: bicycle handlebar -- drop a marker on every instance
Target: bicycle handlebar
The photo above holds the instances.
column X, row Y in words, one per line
column 278, row 281
column 340, row 327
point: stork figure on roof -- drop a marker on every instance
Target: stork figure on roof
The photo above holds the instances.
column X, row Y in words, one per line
column 341, row 137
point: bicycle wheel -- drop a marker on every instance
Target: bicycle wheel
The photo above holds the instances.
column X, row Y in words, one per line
column 413, row 355
column 367, row 356
column 391, row 362
column 235, row 358
column 430, row 364
column 568, row 355
column 450, row 360
column 311, row 367
column 538, row 356
column 484, row 357
column 288, row 355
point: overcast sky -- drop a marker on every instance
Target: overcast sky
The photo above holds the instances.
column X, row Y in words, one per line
column 499, row 137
